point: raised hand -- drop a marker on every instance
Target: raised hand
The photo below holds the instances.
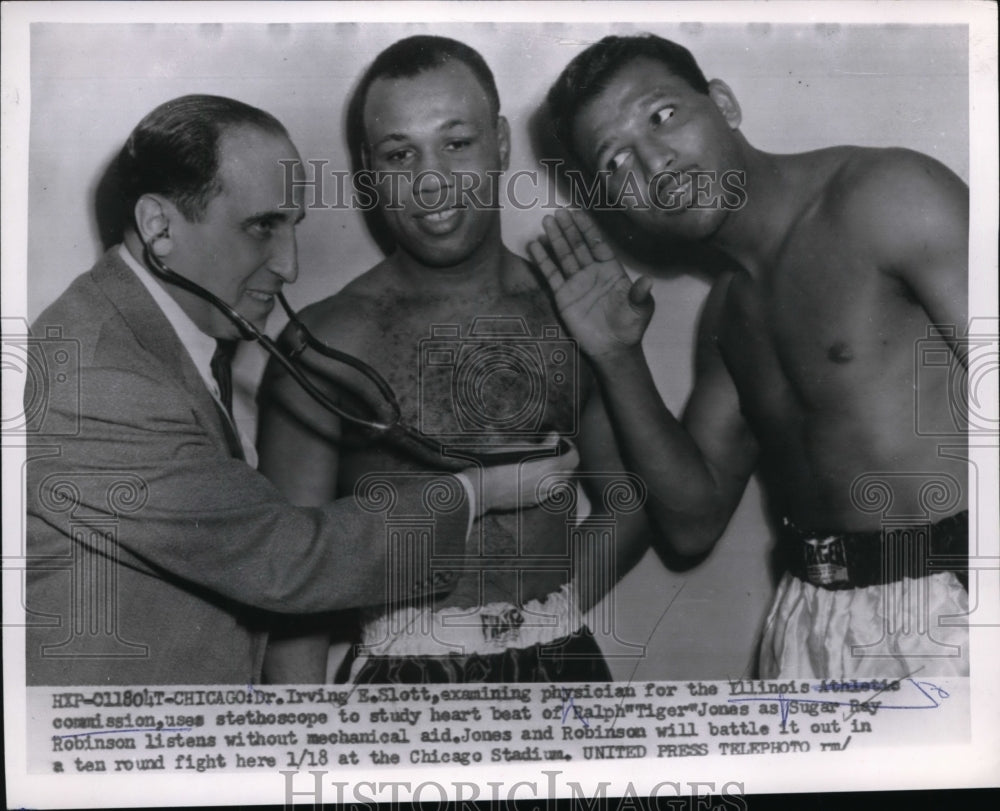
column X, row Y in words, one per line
column 604, row 310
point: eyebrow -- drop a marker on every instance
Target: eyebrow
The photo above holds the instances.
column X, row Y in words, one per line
column 450, row 124
column 392, row 136
column 272, row 215
column 456, row 122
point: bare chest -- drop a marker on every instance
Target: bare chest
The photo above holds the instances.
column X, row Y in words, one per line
column 483, row 372
column 820, row 327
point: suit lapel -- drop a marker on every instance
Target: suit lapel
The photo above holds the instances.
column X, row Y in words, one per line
column 154, row 333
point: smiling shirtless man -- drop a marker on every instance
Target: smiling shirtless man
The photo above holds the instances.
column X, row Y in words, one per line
column 431, row 128
column 806, row 356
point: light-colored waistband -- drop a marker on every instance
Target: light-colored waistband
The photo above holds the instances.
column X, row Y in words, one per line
column 485, row 629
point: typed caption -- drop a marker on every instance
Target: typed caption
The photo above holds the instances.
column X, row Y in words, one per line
column 253, row 728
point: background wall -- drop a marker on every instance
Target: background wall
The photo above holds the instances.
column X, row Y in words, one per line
column 801, row 87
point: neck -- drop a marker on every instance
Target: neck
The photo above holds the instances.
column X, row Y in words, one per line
column 480, row 271
column 134, row 246
column 753, row 234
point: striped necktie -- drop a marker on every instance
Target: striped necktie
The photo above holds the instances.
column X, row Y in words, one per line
column 222, row 371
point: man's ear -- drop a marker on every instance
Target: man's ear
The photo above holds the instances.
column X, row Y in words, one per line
column 152, row 221
column 725, row 100
column 503, row 142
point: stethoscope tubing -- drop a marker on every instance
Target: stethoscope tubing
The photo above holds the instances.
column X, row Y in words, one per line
column 250, row 333
column 436, row 452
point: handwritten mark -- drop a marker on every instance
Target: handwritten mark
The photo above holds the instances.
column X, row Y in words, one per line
column 784, row 702
column 571, row 706
column 631, row 675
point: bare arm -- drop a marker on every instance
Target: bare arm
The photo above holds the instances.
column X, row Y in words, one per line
column 297, row 447
column 603, row 479
column 714, row 421
column 695, row 472
column 922, row 238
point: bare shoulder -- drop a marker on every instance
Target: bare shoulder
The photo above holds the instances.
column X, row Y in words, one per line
column 893, row 198
column 880, row 174
column 346, row 319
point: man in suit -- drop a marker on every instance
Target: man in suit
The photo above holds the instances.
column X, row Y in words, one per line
column 158, row 554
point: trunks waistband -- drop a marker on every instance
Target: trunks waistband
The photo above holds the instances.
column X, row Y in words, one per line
column 485, row 629
column 857, row 559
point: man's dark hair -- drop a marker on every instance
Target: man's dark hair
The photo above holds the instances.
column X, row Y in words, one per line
column 410, row 57
column 590, row 72
column 174, row 151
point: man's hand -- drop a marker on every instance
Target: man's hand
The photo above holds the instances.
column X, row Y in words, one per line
column 604, row 310
column 516, row 486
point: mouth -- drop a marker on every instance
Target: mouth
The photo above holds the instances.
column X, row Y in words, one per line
column 442, row 216
column 263, row 296
column 673, row 192
column 440, row 222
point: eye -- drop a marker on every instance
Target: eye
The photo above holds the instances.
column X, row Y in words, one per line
column 261, row 229
column 661, row 115
column 398, row 155
column 458, row 144
column 616, row 161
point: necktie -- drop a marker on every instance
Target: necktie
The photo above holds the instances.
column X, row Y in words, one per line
column 222, row 371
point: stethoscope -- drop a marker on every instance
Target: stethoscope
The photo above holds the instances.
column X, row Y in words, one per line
column 455, row 456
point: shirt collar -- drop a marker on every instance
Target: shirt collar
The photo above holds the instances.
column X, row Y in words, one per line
column 199, row 346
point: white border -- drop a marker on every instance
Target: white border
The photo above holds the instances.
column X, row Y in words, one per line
column 977, row 764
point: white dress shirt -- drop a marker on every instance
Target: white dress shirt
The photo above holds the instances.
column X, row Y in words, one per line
column 200, row 347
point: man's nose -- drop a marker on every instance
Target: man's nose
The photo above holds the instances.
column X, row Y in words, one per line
column 655, row 156
column 432, row 175
column 285, row 256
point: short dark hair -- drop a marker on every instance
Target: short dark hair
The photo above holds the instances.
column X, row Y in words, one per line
column 174, row 151
column 412, row 56
column 590, row 71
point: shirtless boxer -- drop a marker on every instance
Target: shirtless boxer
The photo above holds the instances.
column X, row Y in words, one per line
column 430, row 116
column 805, row 366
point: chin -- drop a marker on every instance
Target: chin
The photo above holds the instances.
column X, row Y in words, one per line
column 225, row 330
column 698, row 225
column 445, row 254
column 441, row 260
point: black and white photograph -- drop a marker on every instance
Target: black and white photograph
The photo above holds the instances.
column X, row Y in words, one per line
column 451, row 401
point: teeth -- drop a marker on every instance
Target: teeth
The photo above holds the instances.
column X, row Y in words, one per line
column 675, row 188
column 260, row 296
column 440, row 216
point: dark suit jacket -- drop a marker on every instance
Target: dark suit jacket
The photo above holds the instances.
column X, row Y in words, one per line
column 155, row 557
